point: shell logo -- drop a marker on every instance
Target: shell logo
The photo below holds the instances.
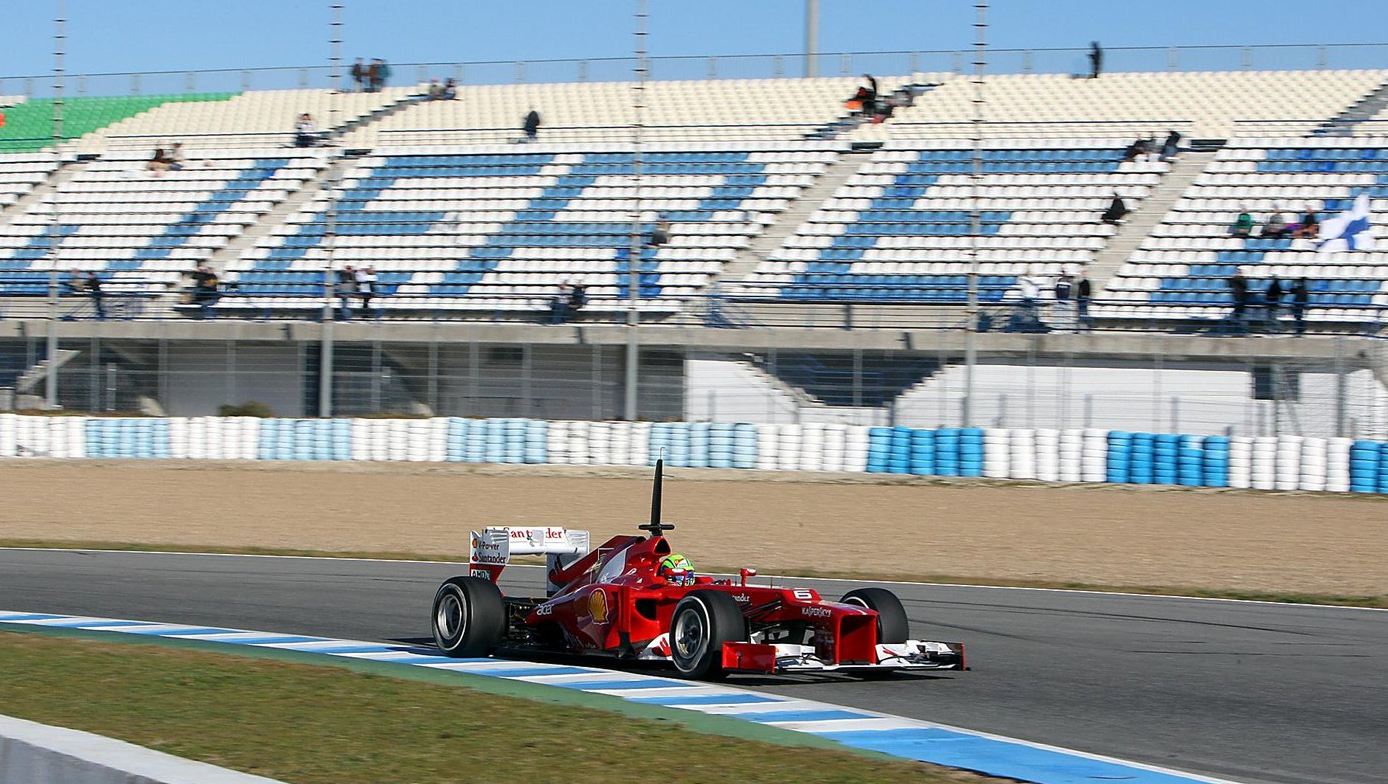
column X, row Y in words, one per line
column 597, row 606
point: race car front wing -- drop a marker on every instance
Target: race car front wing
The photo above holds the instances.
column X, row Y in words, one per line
column 785, row 657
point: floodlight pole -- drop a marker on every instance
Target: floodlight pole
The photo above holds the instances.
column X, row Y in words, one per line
column 633, row 359
column 975, row 216
column 811, row 37
column 325, row 357
column 50, row 386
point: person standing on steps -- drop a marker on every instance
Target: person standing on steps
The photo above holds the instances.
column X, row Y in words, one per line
column 1301, row 298
column 1272, row 300
column 1082, row 294
column 1096, row 60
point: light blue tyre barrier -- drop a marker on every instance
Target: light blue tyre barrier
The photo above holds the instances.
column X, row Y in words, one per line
column 679, row 444
column 971, row 451
column 744, row 445
column 159, row 439
column 720, row 445
column 1364, row 463
column 1190, row 461
column 341, row 439
column 658, row 442
column 265, row 441
column 899, row 453
column 923, row 452
column 1382, row 467
column 1119, row 469
column 96, row 437
column 536, row 448
column 1215, row 466
column 879, row 447
column 515, row 441
column 494, row 441
column 1165, row 459
column 475, row 441
column 455, row 445
column 698, row 444
column 1142, row 458
column 947, row 451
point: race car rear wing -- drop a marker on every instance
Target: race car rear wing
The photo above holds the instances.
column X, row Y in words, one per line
column 490, row 549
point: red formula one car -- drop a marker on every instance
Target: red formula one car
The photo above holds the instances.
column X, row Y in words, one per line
column 624, row 601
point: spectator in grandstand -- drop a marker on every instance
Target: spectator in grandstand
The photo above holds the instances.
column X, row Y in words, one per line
column 567, row 303
column 346, row 286
column 1064, row 294
column 358, row 75
column 1275, row 227
column 1137, row 149
column 531, row 125
column 205, row 290
column 1082, row 294
column 159, row 162
column 76, row 282
column 1096, row 60
column 1301, row 297
column 94, row 291
column 450, row 89
column 379, row 73
column 1238, row 293
column 660, row 233
column 306, row 131
column 1116, row 210
column 366, row 289
column 1272, row 303
column 435, row 90
column 1309, row 227
column 175, row 157
column 1243, row 225
column 1170, row 147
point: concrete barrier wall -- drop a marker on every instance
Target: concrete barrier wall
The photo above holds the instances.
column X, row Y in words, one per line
column 1078, row 455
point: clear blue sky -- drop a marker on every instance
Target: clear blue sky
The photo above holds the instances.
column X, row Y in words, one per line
column 145, row 35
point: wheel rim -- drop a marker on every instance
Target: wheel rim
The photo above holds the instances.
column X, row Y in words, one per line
column 450, row 620
column 690, row 637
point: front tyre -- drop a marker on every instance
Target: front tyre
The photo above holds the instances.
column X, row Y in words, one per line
column 892, row 624
column 469, row 617
column 702, row 622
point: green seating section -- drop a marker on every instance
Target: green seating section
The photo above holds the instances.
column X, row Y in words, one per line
column 29, row 126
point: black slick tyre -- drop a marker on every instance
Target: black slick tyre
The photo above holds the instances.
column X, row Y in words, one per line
column 702, row 622
column 892, row 624
column 469, row 617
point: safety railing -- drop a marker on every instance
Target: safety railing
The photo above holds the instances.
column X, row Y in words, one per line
column 751, row 66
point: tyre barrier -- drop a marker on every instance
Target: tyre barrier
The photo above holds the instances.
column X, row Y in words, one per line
column 1089, row 455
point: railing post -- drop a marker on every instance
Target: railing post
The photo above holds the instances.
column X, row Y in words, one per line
column 1321, row 57
column 1246, row 58
column 134, row 84
column 303, row 78
column 713, row 67
column 1026, row 61
column 777, row 66
column 81, row 85
column 956, row 62
column 458, row 72
column 915, row 62
column 245, row 81
column 421, row 74
column 520, row 71
column 28, row 88
column 582, row 70
column 1173, row 58
column 190, row 82
column 845, row 65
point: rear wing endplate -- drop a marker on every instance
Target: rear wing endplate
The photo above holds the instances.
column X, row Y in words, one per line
column 490, row 549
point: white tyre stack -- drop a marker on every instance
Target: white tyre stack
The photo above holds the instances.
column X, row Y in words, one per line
column 619, row 443
column 639, row 453
column 178, row 438
column 835, row 443
column 57, row 436
column 1337, row 464
column 1071, row 454
column 438, row 440
column 1022, row 453
column 580, row 440
column 416, row 440
column 600, row 443
column 1241, row 462
column 214, row 448
column 197, row 438
column 1264, row 463
column 557, row 442
column 997, row 456
column 7, row 436
column 855, row 449
column 361, row 439
column 1094, row 456
column 250, row 438
column 789, row 443
column 811, row 447
column 1048, row 455
column 380, row 439
column 34, row 437
column 768, row 447
column 1288, row 466
column 231, row 437
column 1313, row 465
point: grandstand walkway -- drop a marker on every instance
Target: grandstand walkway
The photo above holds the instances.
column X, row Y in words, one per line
column 1139, row 223
column 787, row 223
column 58, row 179
column 1364, row 109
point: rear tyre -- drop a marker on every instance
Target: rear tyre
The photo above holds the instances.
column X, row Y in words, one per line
column 469, row 617
column 892, row 623
column 702, row 622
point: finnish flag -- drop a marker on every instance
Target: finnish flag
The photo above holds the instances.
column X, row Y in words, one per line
column 1350, row 230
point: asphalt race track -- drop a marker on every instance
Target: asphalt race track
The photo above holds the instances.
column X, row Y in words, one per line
column 1251, row 692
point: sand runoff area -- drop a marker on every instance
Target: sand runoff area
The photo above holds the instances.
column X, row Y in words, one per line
column 1100, row 534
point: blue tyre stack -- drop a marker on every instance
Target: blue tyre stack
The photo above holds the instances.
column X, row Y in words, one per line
column 1383, row 467
column 304, row 443
column 947, row 451
column 159, row 438
column 923, row 452
column 879, row 447
column 720, row 445
column 341, row 439
column 899, row 454
column 698, row 444
column 659, row 442
column 536, row 450
column 494, row 441
column 971, row 451
column 1215, row 467
column 1142, row 459
column 679, row 444
column 744, row 445
column 1366, row 466
column 455, row 446
column 475, row 448
column 1120, row 446
column 1190, row 461
column 1166, row 456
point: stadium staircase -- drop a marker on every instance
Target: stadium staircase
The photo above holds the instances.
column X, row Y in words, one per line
column 850, row 122
column 29, row 380
column 787, row 222
column 56, row 180
column 1362, row 110
column 1139, row 223
column 381, row 113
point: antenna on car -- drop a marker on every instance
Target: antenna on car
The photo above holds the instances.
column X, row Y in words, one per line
column 655, row 526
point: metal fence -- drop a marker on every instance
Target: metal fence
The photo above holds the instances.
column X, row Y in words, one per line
column 752, row 66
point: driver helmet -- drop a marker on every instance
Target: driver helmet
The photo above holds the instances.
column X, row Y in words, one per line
column 676, row 570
